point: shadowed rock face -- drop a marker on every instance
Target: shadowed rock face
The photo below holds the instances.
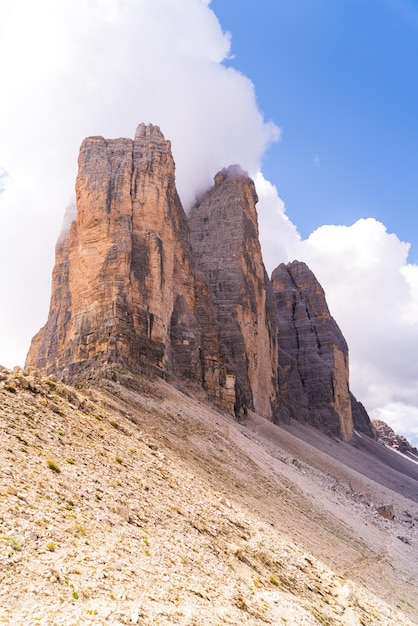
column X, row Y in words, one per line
column 312, row 353
column 226, row 249
column 361, row 418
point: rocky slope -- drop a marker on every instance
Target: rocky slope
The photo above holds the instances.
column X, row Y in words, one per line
column 130, row 503
column 138, row 284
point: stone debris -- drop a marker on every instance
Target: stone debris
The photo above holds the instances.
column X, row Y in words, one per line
column 139, row 285
column 386, row 511
column 198, row 535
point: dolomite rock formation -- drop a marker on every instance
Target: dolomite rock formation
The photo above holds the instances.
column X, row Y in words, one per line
column 312, row 353
column 123, row 288
column 138, row 286
column 386, row 435
column 226, row 249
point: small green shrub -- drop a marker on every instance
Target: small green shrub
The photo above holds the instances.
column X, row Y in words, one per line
column 53, row 466
column 79, row 528
column 13, row 542
column 241, row 603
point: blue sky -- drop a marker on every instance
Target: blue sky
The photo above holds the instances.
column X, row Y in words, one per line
column 340, row 78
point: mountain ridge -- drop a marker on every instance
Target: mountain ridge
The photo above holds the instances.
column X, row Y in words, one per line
column 209, row 465
column 138, row 283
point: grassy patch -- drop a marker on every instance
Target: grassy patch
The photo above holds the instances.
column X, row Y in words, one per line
column 13, row 542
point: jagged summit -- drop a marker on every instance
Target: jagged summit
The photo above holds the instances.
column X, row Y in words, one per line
column 139, row 286
column 312, row 352
column 124, row 291
column 386, row 435
column 148, row 130
column 239, row 521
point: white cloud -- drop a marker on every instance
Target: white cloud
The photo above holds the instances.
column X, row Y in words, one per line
column 99, row 67
column 279, row 237
column 3, row 179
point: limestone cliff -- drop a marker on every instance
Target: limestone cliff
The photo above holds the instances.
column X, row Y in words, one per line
column 314, row 378
column 123, row 288
column 226, row 249
column 139, row 286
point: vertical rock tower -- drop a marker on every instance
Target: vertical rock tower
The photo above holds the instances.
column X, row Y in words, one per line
column 226, row 249
column 138, row 286
column 313, row 353
column 123, row 288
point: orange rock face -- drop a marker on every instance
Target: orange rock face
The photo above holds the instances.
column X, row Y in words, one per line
column 123, row 288
column 139, row 286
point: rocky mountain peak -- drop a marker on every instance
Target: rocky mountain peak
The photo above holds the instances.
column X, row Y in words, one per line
column 313, row 353
column 226, row 250
column 386, row 435
column 125, row 262
column 232, row 172
column 303, row 281
column 148, row 130
column 139, row 286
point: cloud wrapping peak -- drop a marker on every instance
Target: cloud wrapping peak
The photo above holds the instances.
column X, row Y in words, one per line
column 76, row 68
column 79, row 68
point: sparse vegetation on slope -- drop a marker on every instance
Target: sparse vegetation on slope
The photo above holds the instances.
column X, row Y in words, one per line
column 120, row 506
